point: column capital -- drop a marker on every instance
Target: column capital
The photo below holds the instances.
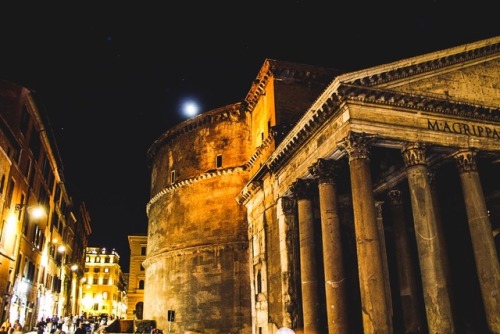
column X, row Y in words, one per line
column 394, row 196
column 324, row 169
column 356, row 145
column 303, row 188
column 414, row 154
column 466, row 160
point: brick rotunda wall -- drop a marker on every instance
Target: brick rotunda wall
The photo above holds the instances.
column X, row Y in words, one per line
column 197, row 261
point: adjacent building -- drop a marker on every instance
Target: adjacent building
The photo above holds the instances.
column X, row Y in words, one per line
column 334, row 202
column 43, row 231
column 104, row 286
column 136, row 276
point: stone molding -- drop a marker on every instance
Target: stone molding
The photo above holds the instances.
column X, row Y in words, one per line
column 186, row 182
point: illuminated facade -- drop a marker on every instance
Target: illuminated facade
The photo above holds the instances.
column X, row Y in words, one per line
column 104, row 287
column 136, row 276
column 369, row 200
column 39, row 221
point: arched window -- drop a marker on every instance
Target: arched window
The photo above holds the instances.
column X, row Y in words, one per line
column 138, row 310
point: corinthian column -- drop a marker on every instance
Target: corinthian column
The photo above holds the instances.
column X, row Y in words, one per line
column 311, row 306
column 436, row 296
column 286, row 216
column 335, row 284
column 481, row 234
column 375, row 314
column 412, row 319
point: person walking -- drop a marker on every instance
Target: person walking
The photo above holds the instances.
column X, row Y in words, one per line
column 80, row 329
column 18, row 328
column 6, row 324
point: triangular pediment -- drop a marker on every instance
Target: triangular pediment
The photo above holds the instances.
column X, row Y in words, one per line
column 461, row 84
column 469, row 74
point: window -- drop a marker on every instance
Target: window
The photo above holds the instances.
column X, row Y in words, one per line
column 259, row 282
column 141, row 284
column 2, row 183
column 142, row 268
column 143, row 250
column 218, row 161
column 172, row 176
column 96, row 270
column 10, row 192
column 106, row 270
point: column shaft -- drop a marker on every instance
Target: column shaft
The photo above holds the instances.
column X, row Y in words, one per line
column 481, row 233
column 335, row 281
column 410, row 305
column 375, row 314
column 308, row 266
column 285, row 219
column 436, row 297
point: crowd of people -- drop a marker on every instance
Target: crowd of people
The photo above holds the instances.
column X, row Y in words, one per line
column 56, row 325
column 8, row 328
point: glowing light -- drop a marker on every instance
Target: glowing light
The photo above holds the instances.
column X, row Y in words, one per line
column 190, row 108
column 36, row 212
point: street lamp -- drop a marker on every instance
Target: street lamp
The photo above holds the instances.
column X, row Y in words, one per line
column 74, row 287
column 62, row 249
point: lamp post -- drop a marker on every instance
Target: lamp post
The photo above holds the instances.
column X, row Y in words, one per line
column 62, row 250
column 74, row 292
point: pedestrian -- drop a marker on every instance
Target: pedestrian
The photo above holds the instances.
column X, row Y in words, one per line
column 18, row 328
column 58, row 330
column 80, row 329
column 7, row 325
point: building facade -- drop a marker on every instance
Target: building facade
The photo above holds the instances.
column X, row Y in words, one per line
column 104, row 286
column 335, row 202
column 136, row 276
column 43, row 231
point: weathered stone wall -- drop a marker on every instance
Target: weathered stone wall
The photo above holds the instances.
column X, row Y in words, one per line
column 197, row 263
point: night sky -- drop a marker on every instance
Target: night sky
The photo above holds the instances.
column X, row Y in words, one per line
column 112, row 75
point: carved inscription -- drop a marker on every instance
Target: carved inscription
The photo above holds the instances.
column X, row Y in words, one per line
column 463, row 129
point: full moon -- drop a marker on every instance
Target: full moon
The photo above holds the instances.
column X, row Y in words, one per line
column 190, row 108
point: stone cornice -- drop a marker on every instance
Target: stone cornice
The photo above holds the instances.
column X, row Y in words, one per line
column 287, row 72
column 405, row 71
column 250, row 189
column 186, row 182
column 260, row 150
column 423, row 102
column 419, row 65
column 233, row 111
